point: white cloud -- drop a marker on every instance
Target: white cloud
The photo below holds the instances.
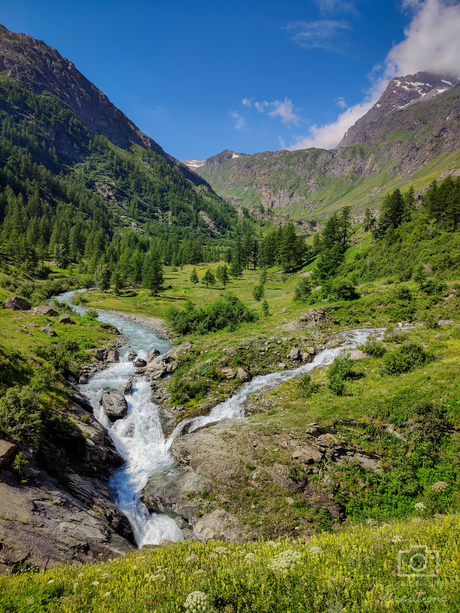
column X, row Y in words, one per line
column 431, row 44
column 316, row 33
column 247, row 102
column 340, row 101
column 432, row 40
column 336, row 6
column 240, row 121
column 284, row 110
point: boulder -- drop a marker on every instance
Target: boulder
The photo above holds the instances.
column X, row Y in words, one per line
column 307, row 454
column 140, row 363
column 357, row 354
column 314, row 318
column 294, row 354
column 82, row 400
column 175, row 354
column 243, row 375
column 228, row 373
column 45, row 310
column 128, row 387
column 281, row 365
column 64, row 319
column 113, row 356
column 114, row 405
column 219, row 526
column 7, row 450
column 307, row 357
column 48, row 330
column 152, row 354
column 17, row 304
column 131, row 356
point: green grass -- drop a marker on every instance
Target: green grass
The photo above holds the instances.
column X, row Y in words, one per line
column 354, row 570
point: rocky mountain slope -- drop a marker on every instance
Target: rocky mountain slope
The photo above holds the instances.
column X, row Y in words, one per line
column 411, row 135
column 39, row 68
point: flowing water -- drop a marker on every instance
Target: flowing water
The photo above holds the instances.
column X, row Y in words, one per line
column 139, row 437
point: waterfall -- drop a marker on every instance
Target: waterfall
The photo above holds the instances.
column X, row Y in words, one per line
column 139, row 436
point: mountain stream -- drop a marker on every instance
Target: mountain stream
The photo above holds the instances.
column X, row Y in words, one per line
column 139, row 436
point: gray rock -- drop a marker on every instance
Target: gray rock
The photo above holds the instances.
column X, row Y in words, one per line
column 128, row 387
column 314, row 318
column 114, row 405
column 152, row 354
column 357, row 354
column 45, row 310
column 83, row 401
column 7, row 451
column 307, row 358
column 65, row 319
column 243, row 375
column 175, row 354
column 307, row 454
column 113, row 356
column 228, row 373
column 281, row 365
column 131, row 356
column 218, row 525
column 140, row 363
column 48, row 330
column 16, row 303
column 294, row 354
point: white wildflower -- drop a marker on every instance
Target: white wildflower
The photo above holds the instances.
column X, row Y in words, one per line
column 96, row 583
column 50, row 581
column 371, row 522
column 195, row 602
column 273, row 543
column 221, row 550
column 315, row 550
column 285, row 560
column 213, row 555
column 192, row 558
column 107, row 594
column 416, row 520
column 30, row 600
column 439, row 486
column 250, row 557
column 397, row 538
column 200, row 571
column 75, row 585
column 419, row 506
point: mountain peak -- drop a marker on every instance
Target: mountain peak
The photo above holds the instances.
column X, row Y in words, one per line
column 401, row 92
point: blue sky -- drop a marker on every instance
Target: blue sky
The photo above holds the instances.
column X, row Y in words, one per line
column 182, row 69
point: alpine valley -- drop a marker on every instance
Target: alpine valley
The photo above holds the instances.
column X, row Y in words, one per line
column 226, row 385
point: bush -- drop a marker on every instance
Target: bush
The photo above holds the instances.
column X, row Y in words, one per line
column 374, row 348
column 345, row 290
column 92, row 314
column 306, row 388
column 20, row 414
column 302, row 291
column 227, row 312
column 431, row 321
column 433, row 288
column 183, row 391
column 65, row 357
column 405, row 358
column 258, row 292
column 341, row 369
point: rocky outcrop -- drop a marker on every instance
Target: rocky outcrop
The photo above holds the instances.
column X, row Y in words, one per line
column 16, row 303
column 65, row 319
column 175, row 353
column 48, row 330
column 45, row 310
column 114, row 404
column 7, row 451
column 219, row 526
column 314, row 318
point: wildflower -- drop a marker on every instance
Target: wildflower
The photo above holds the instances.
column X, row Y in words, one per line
column 285, row 560
column 439, row 486
column 191, row 558
column 107, row 594
column 371, row 521
column 50, row 581
column 195, row 602
column 200, row 571
column 96, row 583
column 30, row 600
column 273, row 543
column 315, row 550
column 75, row 585
column 419, row 506
column 397, row 538
column 213, row 555
column 221, row 550
column 416, row 520
column 250, row 557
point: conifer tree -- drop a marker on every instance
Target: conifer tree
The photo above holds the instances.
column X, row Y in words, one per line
column 194, row 277
column 208, row 278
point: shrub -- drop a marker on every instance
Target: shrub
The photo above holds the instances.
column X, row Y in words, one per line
column 183, row 391
column 341, row 369
column 65, row 357
column 345, row 290
column 431, row 321
column 433, row 287
column 302, row 291
column 227, row 312
column 20, row 414
column 258, row 292
column 306, row 388
column 92, row 314
column 374, row 348
column 405, row 358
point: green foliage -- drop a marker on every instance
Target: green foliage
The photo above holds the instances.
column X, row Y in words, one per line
column 20, row 462
column 194, row 277
column 306, row 388
column 258, row 292
column 66, row 356
column 431, row 321
column 345, row 290
column 340, row 370
column 182, row 390
column 374, row 348
column 208, row 278
column 20, row 414
column 227, row 312
column 64, row 434
column 302, row 291
column 92, row 314
column 265, row 308
column 405, row 358
column 102, row 277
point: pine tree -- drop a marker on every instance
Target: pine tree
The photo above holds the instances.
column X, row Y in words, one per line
column 265, row 308
column 194, row 277
column 369, row 220
column 152, row 272
column 222, row 274
column 102, row 277
column 209, row 278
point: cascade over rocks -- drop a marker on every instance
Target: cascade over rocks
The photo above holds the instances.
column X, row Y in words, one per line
column 114, row 404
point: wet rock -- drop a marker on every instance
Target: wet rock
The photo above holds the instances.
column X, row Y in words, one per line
column 131, row 356
column 176, row 497
column 113, row 356
column 128, row 387
column 140, row 363
column 45, row 310
column 314, row 318
column 307, row 358
column 114, row 405
column 171, row 367
column 243, row 375
column 153, row 371
column 17, row 304
column 228, row 373
column 307, row 454
column 82, row 401
column 7, row 451
column 294, row 354
column 83, row 379
column 152, row 354
column 48, row 330
column 220, row 526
